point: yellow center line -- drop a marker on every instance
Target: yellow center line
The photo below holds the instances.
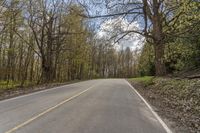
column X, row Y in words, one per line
column 45, row 112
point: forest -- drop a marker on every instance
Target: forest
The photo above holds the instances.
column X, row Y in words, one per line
column 45, row 41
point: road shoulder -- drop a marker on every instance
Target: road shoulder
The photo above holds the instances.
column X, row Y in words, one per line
column 166, row 101
column 163, row 123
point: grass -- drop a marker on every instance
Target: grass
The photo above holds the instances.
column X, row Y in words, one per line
column 12, row 84
column 146, row 80
column 4, row 85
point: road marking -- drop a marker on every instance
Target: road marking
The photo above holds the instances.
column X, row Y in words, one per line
column 153, row 112
column 46, row 111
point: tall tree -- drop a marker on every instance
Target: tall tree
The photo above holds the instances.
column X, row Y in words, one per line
column 159, row 20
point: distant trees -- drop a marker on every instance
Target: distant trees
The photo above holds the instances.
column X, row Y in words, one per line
column 45, row 41
column 109, row 62
column 11, row 20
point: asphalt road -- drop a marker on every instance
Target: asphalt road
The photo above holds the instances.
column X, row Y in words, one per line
column 95, row 106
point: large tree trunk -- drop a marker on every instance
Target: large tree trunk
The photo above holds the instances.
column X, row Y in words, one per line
column 47, row 73
column 159, row 60
column 158, row 40
column 47, row 61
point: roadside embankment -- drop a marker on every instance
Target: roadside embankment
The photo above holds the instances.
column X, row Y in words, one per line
column 177, row 100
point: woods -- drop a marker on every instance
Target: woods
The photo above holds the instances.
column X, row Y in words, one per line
column 44, row 41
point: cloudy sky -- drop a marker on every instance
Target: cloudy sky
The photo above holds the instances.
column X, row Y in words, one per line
column 110, row 27
column 113, row 28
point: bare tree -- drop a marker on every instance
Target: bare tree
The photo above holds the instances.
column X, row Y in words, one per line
column 44, row 22
column 158, row 19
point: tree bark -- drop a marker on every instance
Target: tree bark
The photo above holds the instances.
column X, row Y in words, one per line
column 159, row 60
column 158, row 40
column 47, row 72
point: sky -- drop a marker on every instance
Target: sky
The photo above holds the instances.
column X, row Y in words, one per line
column 115, row 26
column 109, row 27
column 108, row 30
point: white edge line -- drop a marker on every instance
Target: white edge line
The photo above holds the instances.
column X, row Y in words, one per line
column 39, row 91
column 153, row 112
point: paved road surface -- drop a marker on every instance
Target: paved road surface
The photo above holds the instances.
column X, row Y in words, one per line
column 95, row 106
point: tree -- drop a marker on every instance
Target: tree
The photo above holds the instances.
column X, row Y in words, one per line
column 46, row 22
column 159, row 18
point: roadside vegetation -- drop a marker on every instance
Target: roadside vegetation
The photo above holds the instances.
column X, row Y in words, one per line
column 146, row 80
column 58, row 41
column 177, row 100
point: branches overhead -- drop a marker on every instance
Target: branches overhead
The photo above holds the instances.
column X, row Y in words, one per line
column 159, row 19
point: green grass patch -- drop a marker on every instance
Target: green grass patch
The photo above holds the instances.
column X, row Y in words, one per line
column 10, row 84
column 13, row 84
column 146, row 80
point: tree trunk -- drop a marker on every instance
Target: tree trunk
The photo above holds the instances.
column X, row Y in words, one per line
column 158, row 40
column 159, row 60
column 46, row 71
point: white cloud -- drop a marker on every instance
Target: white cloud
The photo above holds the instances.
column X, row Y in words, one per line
column 113, row 28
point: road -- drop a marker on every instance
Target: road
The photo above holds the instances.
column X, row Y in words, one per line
column 94, row 106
